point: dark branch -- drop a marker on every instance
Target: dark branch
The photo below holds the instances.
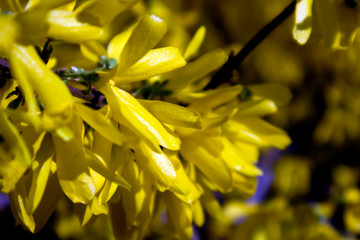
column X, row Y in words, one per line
column 226, row 71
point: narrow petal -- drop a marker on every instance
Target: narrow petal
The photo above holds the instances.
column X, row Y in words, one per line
column 181, row 78
column 348, row 24
column 190, row 193
column 63, row 25
column 243, row 185
column 213, row 167
column 119, row 226
column 329, row 22
column 155, row 62
column 99, row 122
column 256, row 108
column 235, row 160
column 48, row 204
column 97, row 164
column 147, row 33
column 14, row 141
column 53, row 93
column 17, row 199
column 84, row 213
column 72, row 169
column 198, row 213
column 92, row 50
column 118, row 42
column 128, row 111
column 41, row 172
column 24, row 82
column 139, row 201
column 215, row 98
column 212, row 206
column 173, row 114
column 11, row 171
column 303, row 20
column 263, row 132
column 157, row 165
column 46, row 4
column 195, row 43
column 180, row 215
column 101, row 12
column 9, row 32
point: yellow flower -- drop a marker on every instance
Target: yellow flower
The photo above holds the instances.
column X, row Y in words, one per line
column 339, row 21
column 139, row 153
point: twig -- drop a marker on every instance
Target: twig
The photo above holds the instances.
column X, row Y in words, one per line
column 225, row 72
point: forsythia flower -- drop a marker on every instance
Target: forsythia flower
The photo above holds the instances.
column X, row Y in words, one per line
column 91, row 132
column 338, row 20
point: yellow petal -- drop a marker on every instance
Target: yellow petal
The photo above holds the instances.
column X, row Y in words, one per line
column 329, row 22
column 215, row 98
column 348, row 24
column 11, row 5
column 243, row 185
column 53, row 93
column 63, row 25
column 10, row 171
column 104, row 152
column 72, row 169
column 107, row 192
column 48, row 204
column 99, row 122
column 9, row 32
column 14, row 141
column 157, row 165
column 97, row 164
column 198, row 214
column 46, row 4
column 181, row 78
column 41, row 172
column 84, row 213
column 155, row 62
column 23, row 79
column 118, row 42
column 256, row 108
column 195, row 43
column 213, row 167
column 212, row 206
column 119, row 226
column 129, row 112
column 190, row 193
column 92, row 50
column 147, row 33
column 277, row 93
column 9, row 87
column 263, row 133
column 236, row 162
column 139, row 201
column 98, row 208
column 180, row 215
column 173, row 114
column 303, row 20
column 101, row 12
column 17, row 200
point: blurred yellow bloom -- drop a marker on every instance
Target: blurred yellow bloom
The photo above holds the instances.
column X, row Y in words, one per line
column 338, row 20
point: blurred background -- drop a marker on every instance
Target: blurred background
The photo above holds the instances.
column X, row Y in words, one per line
column 308, row 191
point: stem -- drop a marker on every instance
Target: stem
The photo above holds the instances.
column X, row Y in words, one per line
column 226, row 71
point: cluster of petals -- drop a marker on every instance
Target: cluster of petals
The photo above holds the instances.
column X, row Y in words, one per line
column 133, row 158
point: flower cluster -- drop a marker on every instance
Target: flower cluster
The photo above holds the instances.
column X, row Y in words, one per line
column 125, row 128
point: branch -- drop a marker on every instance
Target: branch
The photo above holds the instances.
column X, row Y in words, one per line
column 225, row 72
